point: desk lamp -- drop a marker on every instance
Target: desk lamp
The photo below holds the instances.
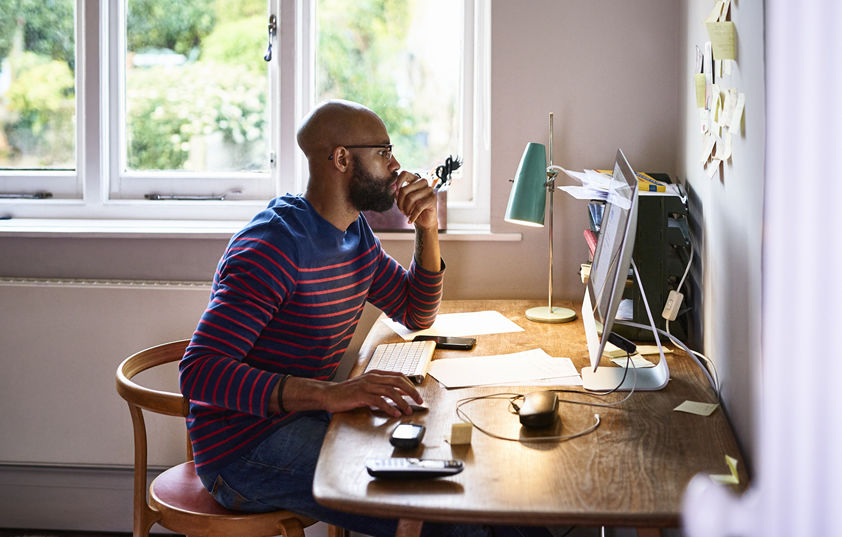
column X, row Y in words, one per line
column 527, row 200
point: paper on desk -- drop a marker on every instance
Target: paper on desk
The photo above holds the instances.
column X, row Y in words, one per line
column 636, row 359
column 459, row 325
column 729, row 479
column 527, row 367
column 695, row 407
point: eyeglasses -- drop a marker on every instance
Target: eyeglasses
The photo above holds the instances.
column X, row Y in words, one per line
column 385, row 152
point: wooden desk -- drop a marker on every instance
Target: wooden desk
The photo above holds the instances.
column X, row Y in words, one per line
column 631, row 471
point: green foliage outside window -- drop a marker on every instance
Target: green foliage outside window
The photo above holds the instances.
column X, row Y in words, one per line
column 360, row 48
column 220, row 88
column 37, row 61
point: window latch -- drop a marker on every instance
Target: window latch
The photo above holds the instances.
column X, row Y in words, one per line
column 273, row 30
column 154, row 196
column 40, row 195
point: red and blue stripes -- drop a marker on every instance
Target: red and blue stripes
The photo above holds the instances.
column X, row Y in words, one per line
column 286, row 298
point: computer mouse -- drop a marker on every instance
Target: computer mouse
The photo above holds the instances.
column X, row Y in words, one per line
column 539, row 409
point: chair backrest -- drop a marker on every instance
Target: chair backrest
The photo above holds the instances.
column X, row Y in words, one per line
column 138, row 398
column 162, row 402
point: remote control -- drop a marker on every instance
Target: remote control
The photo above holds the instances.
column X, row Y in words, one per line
column 412, row 468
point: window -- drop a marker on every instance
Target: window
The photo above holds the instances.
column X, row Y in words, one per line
column 38, row 112
column 106, row 104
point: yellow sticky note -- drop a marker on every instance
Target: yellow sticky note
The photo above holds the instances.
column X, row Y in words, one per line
column 728, row 479
column 652, row 349
column 637, row 361
column 612, row 351
column 695, row 407
column 723, row 37
column 699, row 81
column 737, row 116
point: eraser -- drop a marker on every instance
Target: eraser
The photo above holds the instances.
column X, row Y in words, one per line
column 460, row 433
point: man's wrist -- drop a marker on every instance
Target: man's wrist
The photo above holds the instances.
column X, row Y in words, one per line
column 281, row 385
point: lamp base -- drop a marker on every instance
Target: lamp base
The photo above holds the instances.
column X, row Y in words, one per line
column 544, row 315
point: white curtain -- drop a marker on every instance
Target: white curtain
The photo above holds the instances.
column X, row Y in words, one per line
column 797, row 488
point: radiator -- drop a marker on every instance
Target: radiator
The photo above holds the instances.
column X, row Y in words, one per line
column 60, row 344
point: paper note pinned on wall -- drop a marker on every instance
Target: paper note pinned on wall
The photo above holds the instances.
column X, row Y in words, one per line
column 708, row 143
column 712, row 167
column 699, row 81
column 728, row 479
column 723, row 147
column 723, row 38
column 695, row 407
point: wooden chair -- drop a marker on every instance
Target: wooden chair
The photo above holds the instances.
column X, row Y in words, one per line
column 177, row 499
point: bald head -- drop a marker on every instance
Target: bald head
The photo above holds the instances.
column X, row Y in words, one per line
column 336, row 123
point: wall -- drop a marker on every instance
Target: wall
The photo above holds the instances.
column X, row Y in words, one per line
column 727, row 214
column 608, row 70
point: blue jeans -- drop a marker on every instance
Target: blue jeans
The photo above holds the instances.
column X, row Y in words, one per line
column 278, row 474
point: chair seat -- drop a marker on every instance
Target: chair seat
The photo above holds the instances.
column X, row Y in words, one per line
column 179, row 488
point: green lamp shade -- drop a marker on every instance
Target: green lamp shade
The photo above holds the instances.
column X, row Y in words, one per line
column 528, row 198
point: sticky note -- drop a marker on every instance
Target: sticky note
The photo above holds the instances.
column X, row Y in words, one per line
column 708, row 143
column 638, row 361
column 723, row 38
column 695, row 407
column 652, row 349
column 728, row 479
column 699, row 81
column 612, row 351
column 712, row 167
column 460, row 433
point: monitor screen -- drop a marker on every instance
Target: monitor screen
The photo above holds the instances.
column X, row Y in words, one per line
column 612, row 256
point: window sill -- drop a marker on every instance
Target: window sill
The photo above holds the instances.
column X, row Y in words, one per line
column 194, row 229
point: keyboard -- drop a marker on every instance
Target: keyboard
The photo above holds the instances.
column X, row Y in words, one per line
column 412, row 358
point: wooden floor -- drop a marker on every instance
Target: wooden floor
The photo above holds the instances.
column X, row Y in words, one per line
column 54, row 533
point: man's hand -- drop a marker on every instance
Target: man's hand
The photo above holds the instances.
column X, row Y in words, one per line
column 417, row 200
column 379, row 389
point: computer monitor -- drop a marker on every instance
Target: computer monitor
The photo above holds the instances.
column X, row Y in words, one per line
column 610, row 270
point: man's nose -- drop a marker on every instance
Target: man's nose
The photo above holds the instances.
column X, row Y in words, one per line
column 394, row 165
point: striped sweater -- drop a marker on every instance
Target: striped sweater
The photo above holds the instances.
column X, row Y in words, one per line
column 286, row 297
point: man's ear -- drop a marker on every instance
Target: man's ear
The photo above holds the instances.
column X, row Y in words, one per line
column 341, row 159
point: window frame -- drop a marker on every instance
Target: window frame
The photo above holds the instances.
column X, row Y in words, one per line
column 89, row 192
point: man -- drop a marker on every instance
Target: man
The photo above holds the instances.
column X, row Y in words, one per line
column 286, row 297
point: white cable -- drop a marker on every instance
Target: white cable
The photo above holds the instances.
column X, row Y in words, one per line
column 710, row 366
column 686, row 349
column 558, row 438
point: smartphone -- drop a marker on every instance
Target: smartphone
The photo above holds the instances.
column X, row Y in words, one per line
column 407, row 435
column 447, row 342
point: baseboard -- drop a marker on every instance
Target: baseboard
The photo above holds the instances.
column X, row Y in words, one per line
column 75, row 499
column 66, row 498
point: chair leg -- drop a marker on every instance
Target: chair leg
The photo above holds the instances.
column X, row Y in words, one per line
column 336, row 531
column 291, row 527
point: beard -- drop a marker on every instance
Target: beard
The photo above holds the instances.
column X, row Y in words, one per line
column 370, row 193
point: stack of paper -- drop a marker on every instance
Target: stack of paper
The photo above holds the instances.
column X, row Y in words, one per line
column 533, row 367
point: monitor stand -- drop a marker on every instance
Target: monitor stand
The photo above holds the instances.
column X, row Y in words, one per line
column 605, row 379
column 638, row 378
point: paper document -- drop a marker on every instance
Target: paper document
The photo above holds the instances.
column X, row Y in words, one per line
column 728, row 479
column 532, row 367
column 459, row 325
